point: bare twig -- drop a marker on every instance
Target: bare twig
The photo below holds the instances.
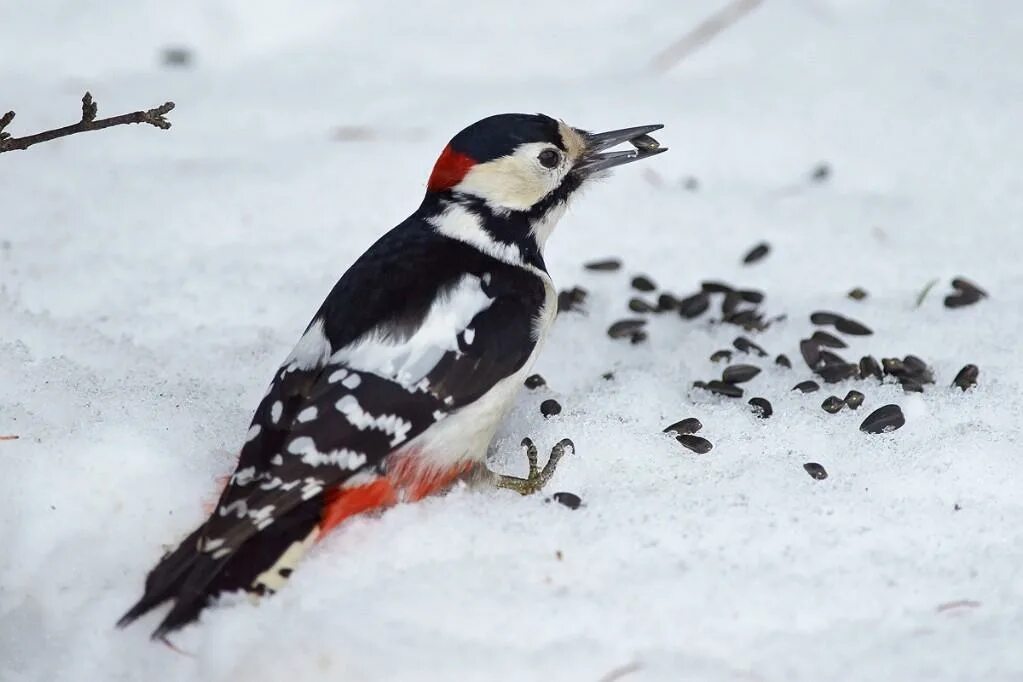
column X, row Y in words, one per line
column 621, row 671
column 9, row 437
column 923, row 294
column 702, row 33
column 154, row 117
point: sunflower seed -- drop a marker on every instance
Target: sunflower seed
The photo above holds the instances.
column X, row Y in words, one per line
column 739, row 374
column 721, row 388
column 811, row 352
column 756, row 253
column 699, row 384
column 666, row 302
column 852, row 327
column 550, row 407
column 698, row 445
column 884, row 419
column 835, row 372
column 607, row 376
column 761, row 407
column 730, row 302
column 643, row 283
column 571, row 300
column 964, row 285
column 966, row 377
column 911, row 386
column 783, row 361
column 638, row 305
column 829, row 358
column 720, row 355
column 535, row 381
column 746, row 346
column 687, row 425
column 824, row 318
column 918, row 369
column 625, row 328
column 857, row 294
column 606, row 265
column 694, row 306
column 820, row 173
column 854, row 399
column 961, row 299
column 832, row 404
column 807, row 386
column 645, row 143
column 752, row 296
column 638, row 337
column 815, row 470
column 716, row 287
column 570, row 500
column 829, row 340
column 893, row 366
column 870, row 368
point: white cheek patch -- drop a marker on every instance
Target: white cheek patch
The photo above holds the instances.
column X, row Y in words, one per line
column 514, row 182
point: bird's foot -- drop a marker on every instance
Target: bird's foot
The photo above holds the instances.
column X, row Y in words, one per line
column 537, row 477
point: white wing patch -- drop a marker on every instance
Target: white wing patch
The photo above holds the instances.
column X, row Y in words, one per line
column 408, row 361
column 391, row 424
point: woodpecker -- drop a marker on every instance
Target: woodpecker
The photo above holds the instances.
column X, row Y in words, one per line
column 398, row 384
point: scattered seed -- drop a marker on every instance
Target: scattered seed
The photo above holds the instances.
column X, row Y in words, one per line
column 820, row 173
column 645, row 143
column 697, row 444
column 962, row 299
column 829, row 358
column 832, row 404
column 807, row 386
column 694, row 306
column 687, row 425
column 638, row 337
column 884, row 419
column 746, row 346
column 911, row 386
column 638, row 305
column 535, row 381
column 720, row 355
column 739, row 374
column 828, row 340
column 571, row 300
column 761, row 407
column 716, row 287
column 550, row 407
column 966, row 377
column 857, row 294
column 783, row 361
column 570, row 500
column 847, row 326
column 918, row 369
column 815, row 470
column 811, row 352
column 666, row 302
column 730, row 302
column 752, row 296
column 964, row 285
column 838, row 371
column 870, row 368
column 721, row 388
column 854, row 399
column 643, row 283
column 824, row 318
column 756, row 253
column 699, row 384
column 625, row 328
column 607, row 376
column 606, row 265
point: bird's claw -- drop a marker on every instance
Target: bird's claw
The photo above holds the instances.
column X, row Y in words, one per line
column 537, row 477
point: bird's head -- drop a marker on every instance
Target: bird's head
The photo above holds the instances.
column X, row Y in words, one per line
column 516, row 172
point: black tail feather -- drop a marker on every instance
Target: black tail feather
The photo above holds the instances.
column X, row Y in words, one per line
column 164, row 581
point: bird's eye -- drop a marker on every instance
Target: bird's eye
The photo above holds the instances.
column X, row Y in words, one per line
column 549, row 158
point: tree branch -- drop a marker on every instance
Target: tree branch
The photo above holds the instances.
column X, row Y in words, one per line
column 154, row 117
column 702, row 33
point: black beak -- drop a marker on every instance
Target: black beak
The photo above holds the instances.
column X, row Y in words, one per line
column 596, row 159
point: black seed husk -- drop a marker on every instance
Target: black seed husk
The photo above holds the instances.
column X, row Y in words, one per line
column 730, row 302
column 832, row 404
column 962, row 299
column 893, row 366
column 884, row 419
column 535, row 381
column 693, row 306
column 857, row 294
column 918, row 369
column 870, row 368
column 697, row 444
column 625, row 328
column 571, row 300
column 550, row 407
column 606, row 265
column 852, row 327
column 966, row 377
column 965, row 285
column 811, row 352
column 807, row 386
column 607, row 376
column 752, row 296
column 761, row 407
column 719, row 355
column 738, row 374
column 815, row 470
column 829, row 358
column 638, row 337
column 828, row 340
column 756, row 253
column 911, row 386
column 570, row 500
column 783, row 361
column 716, row 287
column 643, row 283
column 721, row 388
column 747, row 346
column 834, row 372
column 666, row 302
column 823, row 317
column 854, row 399
column 638, row 305
column 687, row 425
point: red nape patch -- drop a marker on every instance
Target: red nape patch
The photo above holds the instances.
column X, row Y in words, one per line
column 449, row 170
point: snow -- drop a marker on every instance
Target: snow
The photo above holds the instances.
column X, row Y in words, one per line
column 151, row 282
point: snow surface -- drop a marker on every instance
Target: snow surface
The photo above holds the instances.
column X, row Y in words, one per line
column 150, row 282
